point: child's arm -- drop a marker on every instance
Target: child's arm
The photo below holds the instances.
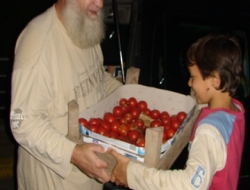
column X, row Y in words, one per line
column 119, row 173
column 207, row 156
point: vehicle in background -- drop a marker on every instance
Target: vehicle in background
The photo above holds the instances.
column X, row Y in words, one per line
column 155, row 36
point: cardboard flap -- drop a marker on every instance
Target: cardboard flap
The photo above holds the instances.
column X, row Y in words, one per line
column 132, row 75
column 182, row 140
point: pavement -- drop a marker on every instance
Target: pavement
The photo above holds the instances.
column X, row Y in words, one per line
column 7, row 158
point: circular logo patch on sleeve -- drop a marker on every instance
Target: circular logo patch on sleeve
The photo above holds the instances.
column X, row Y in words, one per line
column 16, row 118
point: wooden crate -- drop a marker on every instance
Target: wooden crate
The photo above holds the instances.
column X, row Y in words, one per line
column 153, row 141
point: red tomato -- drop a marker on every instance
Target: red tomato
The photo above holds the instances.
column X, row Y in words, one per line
column 166, row 127
column 114, row 135
column 125, row 120
column 139, row 123
column 118, row 111
column 132, row 102
column 123, row 102
column 94, row 121
column 93, row 127
column 109, row 117
column 142, row 105
column 181, row 116
column 175, row 124
column 141, row 135
column 122, row 138
column 99, row 120
column 125, row 108
column 164, row 137
column 170, row 133
column 107, row 134
column 114, row 126
column 105, row 124
column 166, row 120
column 123, row 130
column 128, row 117
column 132, row 126
column 101, row 130
column 83, row 122
column 155, row 114
column 140, row 142
column 164, row 114
column 143, row 131
column 155, row 123
column 135, row 112
column 173, row 117
column 128, row 140
column 147, row 112
column 133, row 135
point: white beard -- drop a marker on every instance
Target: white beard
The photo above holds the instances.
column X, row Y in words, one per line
column 83, row 31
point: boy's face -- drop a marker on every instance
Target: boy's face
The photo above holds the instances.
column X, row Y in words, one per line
column 202, row 88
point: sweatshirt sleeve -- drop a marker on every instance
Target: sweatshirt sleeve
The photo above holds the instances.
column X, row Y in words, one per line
column 207, row 155
column 32, row 100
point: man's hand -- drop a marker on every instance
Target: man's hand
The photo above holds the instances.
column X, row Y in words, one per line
column 119, row 173
column 85, row 158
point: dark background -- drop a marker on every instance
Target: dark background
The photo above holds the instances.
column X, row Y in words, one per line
column 15, row 14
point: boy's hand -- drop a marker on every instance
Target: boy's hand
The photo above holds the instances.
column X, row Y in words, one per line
column 119, row 173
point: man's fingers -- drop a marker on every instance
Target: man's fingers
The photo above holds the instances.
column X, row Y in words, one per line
column 105, row 177
column 101, row 180
column 101, row 163
column 102, row 177
column 113, row 152
column 99, row 148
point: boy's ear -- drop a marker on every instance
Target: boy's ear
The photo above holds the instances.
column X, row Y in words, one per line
column 216, row 80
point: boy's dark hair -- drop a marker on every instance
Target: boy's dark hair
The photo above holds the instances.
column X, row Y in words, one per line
column 220, row 53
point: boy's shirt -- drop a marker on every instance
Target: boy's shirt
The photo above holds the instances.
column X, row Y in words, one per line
column 211, row 151
column 231, row 126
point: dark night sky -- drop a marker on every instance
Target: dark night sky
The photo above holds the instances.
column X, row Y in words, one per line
column 14, row 15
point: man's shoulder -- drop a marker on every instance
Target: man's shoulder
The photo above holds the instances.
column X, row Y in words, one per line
column 41, row 23
column 36, row 33
column 34, row 39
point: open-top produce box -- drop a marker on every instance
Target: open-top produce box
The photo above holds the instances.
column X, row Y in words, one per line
column 155, row 153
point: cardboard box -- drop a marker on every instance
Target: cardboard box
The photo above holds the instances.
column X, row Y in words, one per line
column 126, row 149
column 162, row 100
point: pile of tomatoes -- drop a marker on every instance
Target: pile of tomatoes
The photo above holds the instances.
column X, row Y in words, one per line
column 129, row 120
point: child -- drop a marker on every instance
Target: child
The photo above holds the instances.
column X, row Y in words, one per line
column 216, row 142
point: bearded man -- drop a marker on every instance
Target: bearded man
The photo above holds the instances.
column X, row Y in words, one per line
column 57, row 59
